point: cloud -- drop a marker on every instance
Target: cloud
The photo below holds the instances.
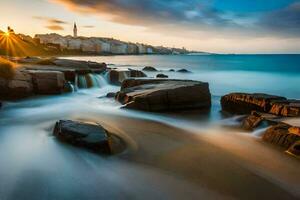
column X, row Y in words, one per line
column 195, row 17
column 55, row 27
column 50, row 20
column 285, row 21
column 88, row 26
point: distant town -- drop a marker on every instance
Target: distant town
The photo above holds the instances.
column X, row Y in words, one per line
column 55, row 44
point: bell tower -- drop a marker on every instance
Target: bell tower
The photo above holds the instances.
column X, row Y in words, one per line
column 75, row 30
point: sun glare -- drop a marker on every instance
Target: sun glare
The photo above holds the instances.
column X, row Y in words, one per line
column 6, row 34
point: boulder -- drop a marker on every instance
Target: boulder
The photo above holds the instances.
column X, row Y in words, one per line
column 164, row 94
column 183, row 71
column 287, row 108
column 281, row 135
column 255, row 119
column 20, row 86
column 90, row 136
column 149, row 68
column 47, row 82
column 244, row 103
column 118, row 76
column 171, row 70
column 161, row 76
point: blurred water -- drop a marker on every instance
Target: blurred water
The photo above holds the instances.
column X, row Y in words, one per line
column 169, row 156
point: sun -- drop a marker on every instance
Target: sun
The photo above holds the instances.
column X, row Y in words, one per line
column 6, row 34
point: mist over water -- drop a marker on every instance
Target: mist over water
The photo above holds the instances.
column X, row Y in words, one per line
column 169, row 156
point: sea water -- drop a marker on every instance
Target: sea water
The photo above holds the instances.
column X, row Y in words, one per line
column 168, row 156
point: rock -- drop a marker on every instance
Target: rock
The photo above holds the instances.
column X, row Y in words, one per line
column 295, row 149
column 118, row 76
column 18, row 87
column 149, row 68
column 255, row 119
column 161, row 76
column 183, row 71
column 68, row 87
column 281, row 136
column 90, row 136
column 287, row 108
column 164, row 94
column 111, row 95
column 171, row 70
column 47, row 82
column 244, row 103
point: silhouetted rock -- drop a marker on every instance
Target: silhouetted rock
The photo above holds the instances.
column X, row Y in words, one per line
column 295, row 149
column 118, row 76
column 164, row 94
column 183, row 71
column 161, row 76
column 281, row 135
column 171, row 70
column 149, row 68
column 244, row 103
column 90, row 136
column 47, row 82
column 287, row 108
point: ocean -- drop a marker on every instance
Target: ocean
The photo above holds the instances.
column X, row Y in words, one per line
column 168, row 156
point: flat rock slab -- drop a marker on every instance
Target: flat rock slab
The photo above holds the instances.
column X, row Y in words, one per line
column 116, row 77
column 90, row 136
column 164, row 94
column 244, row 103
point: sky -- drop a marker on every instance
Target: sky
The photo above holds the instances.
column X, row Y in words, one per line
column 220, row 26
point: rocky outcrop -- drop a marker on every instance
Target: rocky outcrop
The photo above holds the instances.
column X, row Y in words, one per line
column 295, row 149
column 244, row 103
column 48, row 82
column 20, row 86
column 111, row 95
column 161, row 76
column 118, row 76
column 90, row 136
column 287, row 108
column 282, row 135
column 164, row 94
column 149, row 69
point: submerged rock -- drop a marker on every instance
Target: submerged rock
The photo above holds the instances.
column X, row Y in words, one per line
column 183, row 71
column 162, row 76
column 149, row 68
column 281, row 135
column 111, row 95
column 118, row 76
column 244, row 103
column 90, row 136
column 164, row 94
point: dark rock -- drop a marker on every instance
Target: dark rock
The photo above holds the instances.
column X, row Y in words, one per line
column 20, row 86
column 255, row 119
column 161, row 76
column 171, row 70
column 295, row 149
column 243, row 103
column 287, row 108
column 164, row 95
column 183, row 71
column 149, row 68
column 111, row 95
column 281, row 135
column 90, row 136
column 118, row 76
column 68, row 87
column 47, row 82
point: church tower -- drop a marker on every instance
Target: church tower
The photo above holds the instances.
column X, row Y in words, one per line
column 75, row 30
